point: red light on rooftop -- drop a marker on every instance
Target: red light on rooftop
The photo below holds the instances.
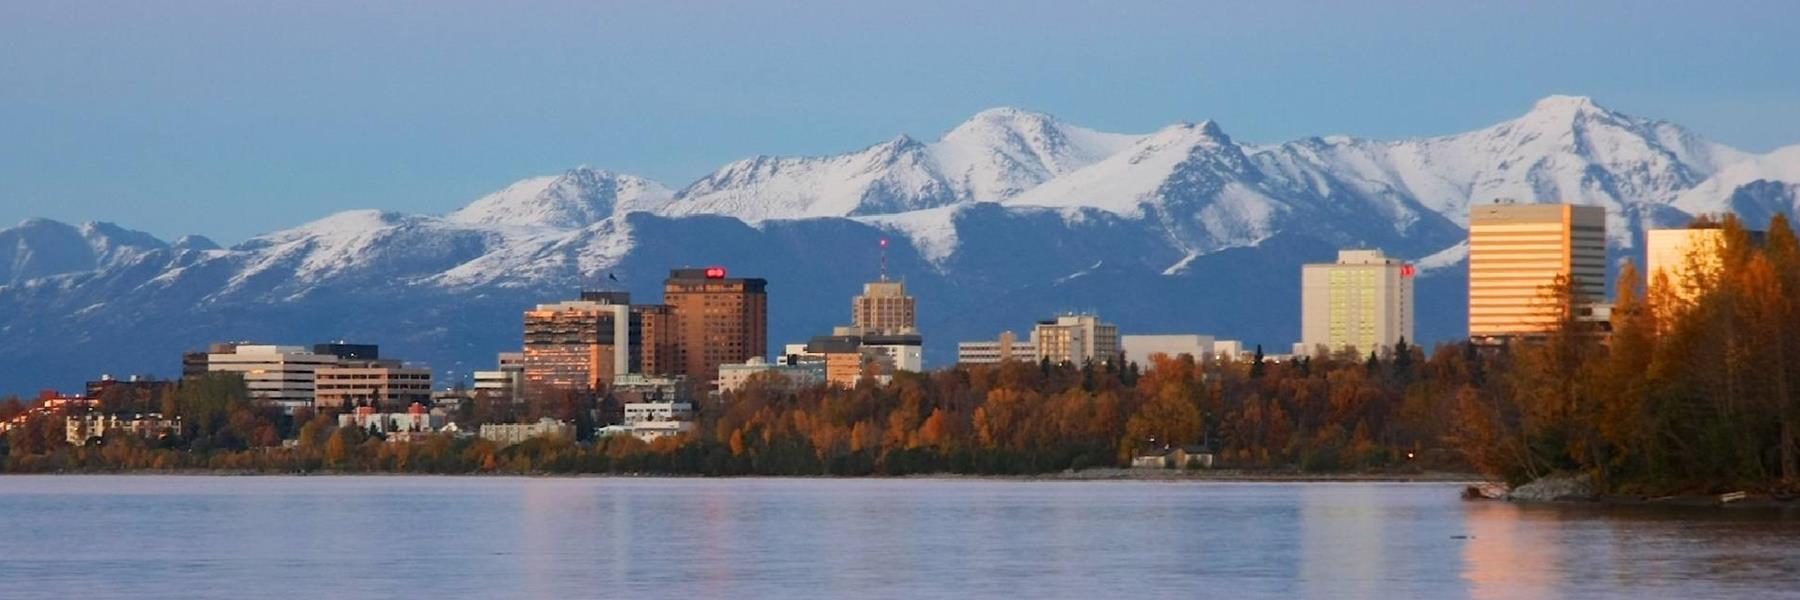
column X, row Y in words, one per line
column 715, row 272
column 1406, row 270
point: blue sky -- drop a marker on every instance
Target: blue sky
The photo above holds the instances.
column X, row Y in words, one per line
column 231, row 119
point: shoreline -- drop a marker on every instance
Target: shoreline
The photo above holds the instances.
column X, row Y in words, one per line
column 1120, row 474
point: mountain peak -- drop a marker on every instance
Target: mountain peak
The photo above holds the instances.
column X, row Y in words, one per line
column 576, row 198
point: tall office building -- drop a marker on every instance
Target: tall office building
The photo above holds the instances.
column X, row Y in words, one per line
column 1364, row 302
column 884, row 308
column 579, row 344
column 1076, row 339
column 1516, row 250
column 718, row 320
column 658, row 341
column 1668, row 252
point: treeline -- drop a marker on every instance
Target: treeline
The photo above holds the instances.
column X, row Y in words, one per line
column 1322, row 414
column 1696, row 389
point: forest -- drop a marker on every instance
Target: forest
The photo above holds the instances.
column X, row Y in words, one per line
column 1686, row 388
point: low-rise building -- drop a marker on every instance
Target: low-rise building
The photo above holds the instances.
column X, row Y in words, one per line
column 382, row 384
column 641, row 412
column 80, row 428
column 1076, row 339
column 507, row 434
column 651, row 430
column 505, row 384
column 282, row 375
column 985, row 352
column 1139, row 348
column 787, row 375
column 416, row 419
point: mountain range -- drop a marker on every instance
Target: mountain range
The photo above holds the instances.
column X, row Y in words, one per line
column 1009, row 217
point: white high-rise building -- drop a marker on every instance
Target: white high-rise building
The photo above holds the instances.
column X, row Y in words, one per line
column 1363, row 302
column 283, row 375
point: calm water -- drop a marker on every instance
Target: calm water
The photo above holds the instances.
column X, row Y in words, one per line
column 409, row 537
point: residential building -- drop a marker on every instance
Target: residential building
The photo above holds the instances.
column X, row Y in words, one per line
column 788, row 375
column 641, row 412
column 79, row 428
column 718, row 320
column 383, row 384
column 1139, row 348
column 1363, row 302
column 884, row 307
column 1076, row 339
column 1006, row 348
column 507, row 434
column 283, row 375
column 416, row 419
column 1516, row 251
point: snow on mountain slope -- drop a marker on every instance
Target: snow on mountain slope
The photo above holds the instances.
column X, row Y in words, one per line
column 38, row 248
column 993, row 156
column 1129, row 180
column 1001, row 152
column 1755, row 188
column 1566, row 149
column 575, row 199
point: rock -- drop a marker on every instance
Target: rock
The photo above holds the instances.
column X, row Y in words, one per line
column 1553, row 487
column 1485, row 491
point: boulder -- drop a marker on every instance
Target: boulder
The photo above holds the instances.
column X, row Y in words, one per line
column 1554, row 487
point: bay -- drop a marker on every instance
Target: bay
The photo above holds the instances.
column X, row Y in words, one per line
column 135, row 536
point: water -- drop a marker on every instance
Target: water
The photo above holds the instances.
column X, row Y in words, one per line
column 415, row 537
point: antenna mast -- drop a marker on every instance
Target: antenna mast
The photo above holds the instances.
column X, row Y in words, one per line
column 884, row 243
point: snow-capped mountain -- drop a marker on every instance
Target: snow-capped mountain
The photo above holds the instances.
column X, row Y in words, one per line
column 573, row 199
column 993, row 156
column 1007, row 217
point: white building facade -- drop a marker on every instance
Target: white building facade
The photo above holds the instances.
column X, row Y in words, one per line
column 1362, row 302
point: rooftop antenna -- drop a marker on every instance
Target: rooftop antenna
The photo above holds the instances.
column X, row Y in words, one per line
column 884, row 243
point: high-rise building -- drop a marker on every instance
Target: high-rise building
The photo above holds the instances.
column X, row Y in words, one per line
column 884, row 307
column 578, row 345
column 1517, row 250
column 1683, row 257
column 658, row 341
column 718, row 320
column 283, row 375
column 1362, row 302
column 1076, row 339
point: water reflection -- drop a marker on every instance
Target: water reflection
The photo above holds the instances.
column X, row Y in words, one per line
column 750, row 538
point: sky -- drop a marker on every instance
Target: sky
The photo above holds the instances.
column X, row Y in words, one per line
column 231, row 119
